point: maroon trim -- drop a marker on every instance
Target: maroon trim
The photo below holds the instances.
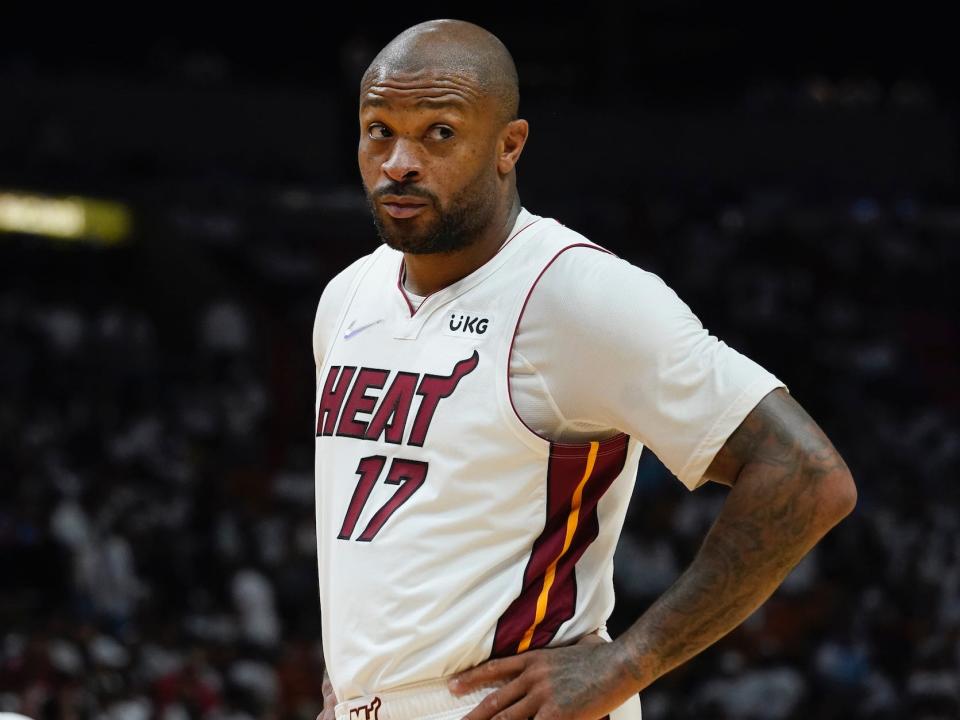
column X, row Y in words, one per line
column 403, row 292
column 513, row 338
column 413, row 311
column 565, row 469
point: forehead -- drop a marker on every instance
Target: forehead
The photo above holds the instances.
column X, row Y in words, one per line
column 422, row 89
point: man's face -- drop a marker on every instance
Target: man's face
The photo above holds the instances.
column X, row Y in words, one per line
column 427, row 159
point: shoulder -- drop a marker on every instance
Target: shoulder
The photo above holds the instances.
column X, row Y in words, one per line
column 338, row 285
column 331, row 300
column 553, row 235
column 598, row 289
column 577, row 263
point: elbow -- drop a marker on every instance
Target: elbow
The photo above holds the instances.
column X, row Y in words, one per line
column 838, row 494
column 848, row 495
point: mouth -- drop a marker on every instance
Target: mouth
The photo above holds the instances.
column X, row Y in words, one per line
column 404, row 208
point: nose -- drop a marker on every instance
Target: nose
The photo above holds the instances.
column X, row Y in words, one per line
column 404, row 161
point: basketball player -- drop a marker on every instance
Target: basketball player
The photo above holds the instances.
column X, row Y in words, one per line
column 486, row 381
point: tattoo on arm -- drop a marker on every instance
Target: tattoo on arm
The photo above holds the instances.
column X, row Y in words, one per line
column 789, row 487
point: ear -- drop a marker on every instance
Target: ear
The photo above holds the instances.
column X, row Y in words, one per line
column 510, row 144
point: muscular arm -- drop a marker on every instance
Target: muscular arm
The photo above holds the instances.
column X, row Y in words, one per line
column 789, row 487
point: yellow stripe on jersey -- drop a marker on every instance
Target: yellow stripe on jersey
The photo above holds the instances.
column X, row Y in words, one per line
column 572, row 519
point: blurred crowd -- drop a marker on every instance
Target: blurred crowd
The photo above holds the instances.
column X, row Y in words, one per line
column 157, row 532
column 849, row 304
column 153, row 558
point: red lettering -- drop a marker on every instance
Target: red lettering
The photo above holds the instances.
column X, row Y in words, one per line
column 360, row 402
column 369, row 470
column 434, row 388
column 334, row 390
column 409, row 475
column 394, row 407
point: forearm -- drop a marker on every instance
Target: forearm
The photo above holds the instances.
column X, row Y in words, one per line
column 789, row 487
column 772, row 517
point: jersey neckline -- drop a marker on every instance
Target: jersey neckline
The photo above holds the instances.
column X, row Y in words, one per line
column 524, row 220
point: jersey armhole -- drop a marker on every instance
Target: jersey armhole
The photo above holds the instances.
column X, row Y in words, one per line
column 611, row 444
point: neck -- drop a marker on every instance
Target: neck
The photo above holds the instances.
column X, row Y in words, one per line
column 428, row 273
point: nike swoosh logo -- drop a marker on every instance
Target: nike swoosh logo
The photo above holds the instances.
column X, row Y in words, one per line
column 351, row 331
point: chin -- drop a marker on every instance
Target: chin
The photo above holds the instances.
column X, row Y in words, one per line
column 399, row 234
column 398, row 240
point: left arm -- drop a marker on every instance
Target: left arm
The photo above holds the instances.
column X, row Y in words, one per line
column 789, row 486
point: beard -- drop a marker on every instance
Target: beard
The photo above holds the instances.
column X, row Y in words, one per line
column 456, row 226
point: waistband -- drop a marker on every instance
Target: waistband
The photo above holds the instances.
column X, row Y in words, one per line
column 417, row 701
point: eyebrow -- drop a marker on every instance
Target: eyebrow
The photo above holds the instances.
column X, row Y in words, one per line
column 433, row 103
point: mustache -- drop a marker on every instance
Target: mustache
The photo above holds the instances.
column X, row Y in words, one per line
column 401, row 190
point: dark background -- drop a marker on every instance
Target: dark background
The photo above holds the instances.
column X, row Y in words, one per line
column 792, row 173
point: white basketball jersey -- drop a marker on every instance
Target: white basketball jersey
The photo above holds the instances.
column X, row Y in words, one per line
column 448, row 531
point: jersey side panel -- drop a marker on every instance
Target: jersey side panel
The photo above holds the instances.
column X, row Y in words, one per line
column 567, row 589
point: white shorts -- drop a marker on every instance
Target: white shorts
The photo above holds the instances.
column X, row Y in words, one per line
column 431, row 700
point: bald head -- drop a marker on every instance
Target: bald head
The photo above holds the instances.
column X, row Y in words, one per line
column 456, row 47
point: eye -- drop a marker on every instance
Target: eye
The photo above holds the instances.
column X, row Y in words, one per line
column 372, row 131
column 441, row 132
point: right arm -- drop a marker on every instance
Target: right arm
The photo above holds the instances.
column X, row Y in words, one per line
column 329, row 699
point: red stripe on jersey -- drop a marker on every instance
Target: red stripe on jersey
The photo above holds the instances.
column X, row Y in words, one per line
column 565, row 472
